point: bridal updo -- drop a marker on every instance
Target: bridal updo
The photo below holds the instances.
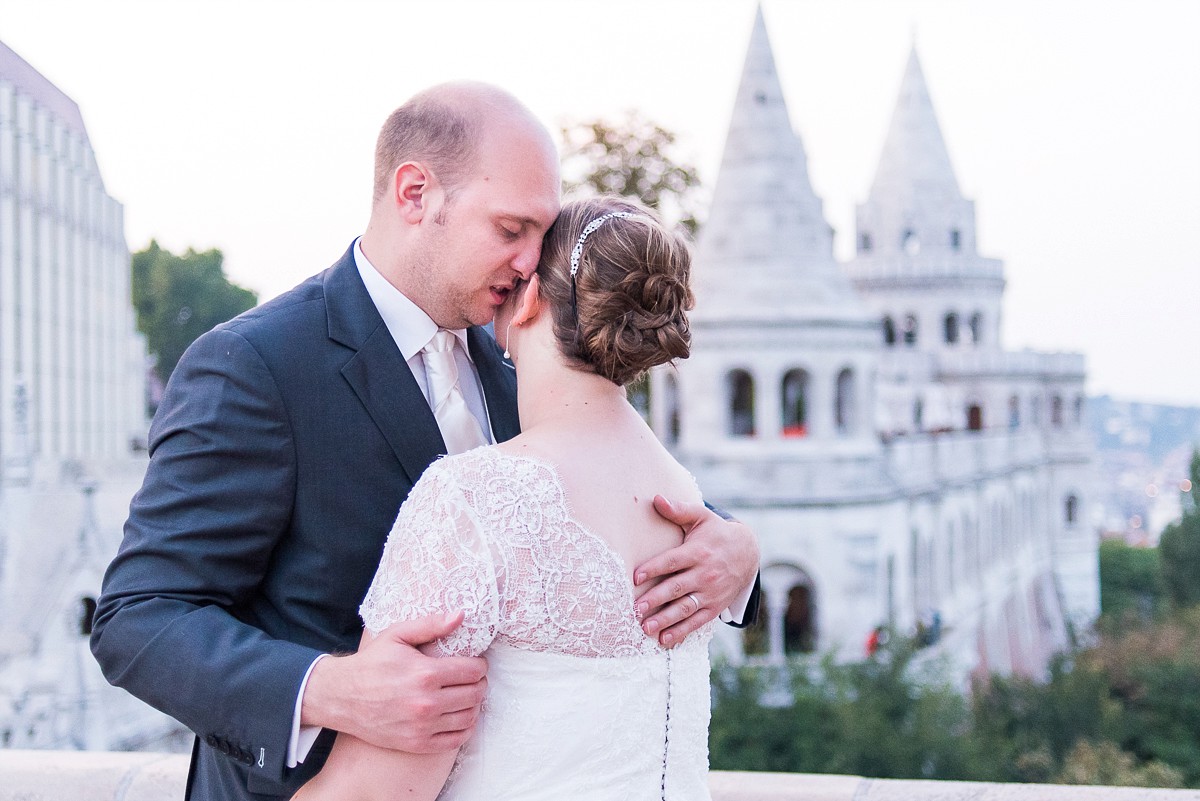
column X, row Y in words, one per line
column 631, row 291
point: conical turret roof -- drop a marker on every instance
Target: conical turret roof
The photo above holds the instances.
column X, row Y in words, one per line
column 914, row 161
column 767, row 250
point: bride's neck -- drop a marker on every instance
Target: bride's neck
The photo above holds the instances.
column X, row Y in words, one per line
column 551, row 392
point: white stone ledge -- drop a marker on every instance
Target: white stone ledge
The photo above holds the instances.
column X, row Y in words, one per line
column 107, row 776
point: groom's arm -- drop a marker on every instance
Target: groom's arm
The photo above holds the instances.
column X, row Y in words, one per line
column 714, row 569
column 173, row 623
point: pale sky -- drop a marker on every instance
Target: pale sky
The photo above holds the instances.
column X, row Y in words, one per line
column 248, row 125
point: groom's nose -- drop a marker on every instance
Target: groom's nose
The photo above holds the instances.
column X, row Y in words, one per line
column 526, row 261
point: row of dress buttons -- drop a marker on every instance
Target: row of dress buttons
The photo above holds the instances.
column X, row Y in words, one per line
column 240, row 754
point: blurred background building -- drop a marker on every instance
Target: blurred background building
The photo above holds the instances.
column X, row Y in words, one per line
column 72, row 423
column 901, row 469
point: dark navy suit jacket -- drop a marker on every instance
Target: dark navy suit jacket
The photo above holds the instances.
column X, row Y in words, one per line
column 284, row 445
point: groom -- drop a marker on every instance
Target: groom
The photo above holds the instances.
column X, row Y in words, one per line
column 288, row 438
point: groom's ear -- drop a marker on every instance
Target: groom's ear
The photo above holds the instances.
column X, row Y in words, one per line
column 412, row 186
column 530, row 303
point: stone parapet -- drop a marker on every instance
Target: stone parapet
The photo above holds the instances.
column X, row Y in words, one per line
column 139, row 776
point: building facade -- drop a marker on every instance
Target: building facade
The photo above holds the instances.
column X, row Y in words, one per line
column 72, row 422
column 901, row 469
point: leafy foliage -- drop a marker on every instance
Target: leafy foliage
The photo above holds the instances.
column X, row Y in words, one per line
column 633, row 157
column 178, row 298
column 1132, row 591
column 1179, row 547
column 1123, row 712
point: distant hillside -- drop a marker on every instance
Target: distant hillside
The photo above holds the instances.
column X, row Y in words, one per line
column 1142, row 455
column 1152, row 429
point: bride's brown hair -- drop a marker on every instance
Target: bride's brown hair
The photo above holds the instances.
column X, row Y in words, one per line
column 631, row 293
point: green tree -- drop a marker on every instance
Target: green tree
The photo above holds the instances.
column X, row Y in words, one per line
column 637, row 158
column 632, row 157
column 1179, row 547
column 178, row 298
column 1131, row 584
column 1105, row 763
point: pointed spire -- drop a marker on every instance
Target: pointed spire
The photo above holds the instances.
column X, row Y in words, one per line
column 914, row 161
column 915, row 207
column 766, row 248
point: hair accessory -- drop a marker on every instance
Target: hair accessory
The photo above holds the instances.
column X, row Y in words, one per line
column 588, row 230
column 577, row 251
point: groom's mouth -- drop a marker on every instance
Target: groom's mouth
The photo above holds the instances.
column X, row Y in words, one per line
column 500, row 293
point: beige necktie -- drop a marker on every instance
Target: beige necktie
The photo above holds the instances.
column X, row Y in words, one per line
column 460, row 429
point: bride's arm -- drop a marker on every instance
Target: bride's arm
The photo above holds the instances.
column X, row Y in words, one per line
column 359, row 771
column 436, row 561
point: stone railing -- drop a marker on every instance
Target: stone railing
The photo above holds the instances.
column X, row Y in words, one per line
column 105, row 776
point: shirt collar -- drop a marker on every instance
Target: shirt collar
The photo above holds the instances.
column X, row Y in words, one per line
column 408, row 324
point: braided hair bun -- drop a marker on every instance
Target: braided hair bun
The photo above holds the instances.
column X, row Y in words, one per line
column 631, row 290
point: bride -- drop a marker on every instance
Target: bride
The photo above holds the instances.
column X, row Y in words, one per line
column 533, row 541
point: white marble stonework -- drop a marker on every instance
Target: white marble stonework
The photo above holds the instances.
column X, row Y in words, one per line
column 900, row 467
column 72, row 422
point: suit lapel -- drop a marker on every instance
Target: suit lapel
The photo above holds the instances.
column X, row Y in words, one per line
column 378, row 373
column 381, row 379
column 499, row 382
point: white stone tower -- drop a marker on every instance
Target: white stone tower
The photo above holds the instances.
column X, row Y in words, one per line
column 943, row 368
column 72, row 420
column 773, row 412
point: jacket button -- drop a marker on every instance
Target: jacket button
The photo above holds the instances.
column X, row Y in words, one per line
column 211, row 740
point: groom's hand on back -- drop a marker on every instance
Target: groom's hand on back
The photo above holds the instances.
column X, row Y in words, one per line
column 701, row 578
column 393, row 696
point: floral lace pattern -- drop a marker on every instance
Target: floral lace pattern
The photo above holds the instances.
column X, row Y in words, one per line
column 581, row 703
column 491, row 533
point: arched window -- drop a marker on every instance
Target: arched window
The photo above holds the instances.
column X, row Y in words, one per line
column 1056, row 411
column 87, row 611
column 1014, row 412
column 955, row 239
column 918, row 415
column 974, row 417
column 889, row 332
column 864, row 243
column 910, row 330
column 976, row 326
column 671, row 409
column 844, row 403
column 741, row 404
column 950, row 326
column 799, row 633
column 794, row 391
column 1071, row 510
column 1078, row 418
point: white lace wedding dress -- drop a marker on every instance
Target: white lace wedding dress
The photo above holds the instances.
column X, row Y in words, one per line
column 581, row 704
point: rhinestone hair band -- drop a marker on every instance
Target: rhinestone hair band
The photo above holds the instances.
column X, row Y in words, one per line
column 577, row 251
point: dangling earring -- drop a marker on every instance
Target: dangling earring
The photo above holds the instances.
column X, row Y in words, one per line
column 508, row 340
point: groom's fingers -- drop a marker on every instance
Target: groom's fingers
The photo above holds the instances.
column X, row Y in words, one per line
column 698, row 579
column 424, row 629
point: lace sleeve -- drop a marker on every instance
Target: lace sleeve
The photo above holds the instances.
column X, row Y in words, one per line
column 437, row 560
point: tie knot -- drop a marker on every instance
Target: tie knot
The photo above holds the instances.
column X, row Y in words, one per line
column 442, row 342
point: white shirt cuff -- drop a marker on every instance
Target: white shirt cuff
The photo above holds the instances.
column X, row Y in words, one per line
column 302, row 737
column 736, row 613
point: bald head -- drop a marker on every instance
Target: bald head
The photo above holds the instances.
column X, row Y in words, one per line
column 443, row 126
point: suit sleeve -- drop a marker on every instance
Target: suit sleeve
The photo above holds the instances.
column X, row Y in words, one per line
column 171, row 624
